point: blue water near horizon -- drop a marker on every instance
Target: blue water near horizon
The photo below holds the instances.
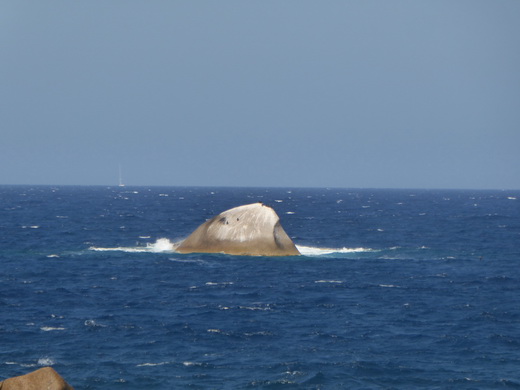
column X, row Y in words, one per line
column 396, row 289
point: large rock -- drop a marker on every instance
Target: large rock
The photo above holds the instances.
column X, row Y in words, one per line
column 253, row 229
column 43, row 379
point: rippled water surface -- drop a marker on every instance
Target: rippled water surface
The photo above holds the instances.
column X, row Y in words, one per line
column 395, row 289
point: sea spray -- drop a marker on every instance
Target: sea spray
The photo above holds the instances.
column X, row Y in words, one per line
column 161, row 245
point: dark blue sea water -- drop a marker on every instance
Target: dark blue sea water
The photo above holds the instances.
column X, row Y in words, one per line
column 397, row 289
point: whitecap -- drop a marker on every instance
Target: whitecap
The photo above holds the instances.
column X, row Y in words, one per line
column 51, row 328
column 218, row 284
column 293, row 373
column 329, row 281
column 152, row 364
column 189, row 364
column 94, row 324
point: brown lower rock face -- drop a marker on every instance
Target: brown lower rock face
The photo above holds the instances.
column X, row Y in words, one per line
column 252, row 229
column 43, row 379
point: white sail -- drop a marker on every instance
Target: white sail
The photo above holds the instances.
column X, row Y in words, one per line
column 120, row 177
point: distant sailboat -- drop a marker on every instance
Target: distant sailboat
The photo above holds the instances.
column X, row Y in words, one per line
column 120, row 177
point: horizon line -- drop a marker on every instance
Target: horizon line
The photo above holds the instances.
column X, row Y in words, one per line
column 126, row 186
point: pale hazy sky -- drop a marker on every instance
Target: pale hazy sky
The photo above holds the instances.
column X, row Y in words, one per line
column 409, row 94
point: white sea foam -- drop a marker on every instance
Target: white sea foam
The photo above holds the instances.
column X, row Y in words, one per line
column 329, row 281
column 46, row 361
column 164, row 245
column 218, row 283
column 94, row 324
column 51, row 328
column 152, row 364
column 161, row 245
column 116, row 249
column 189, row 364
column 316, row 251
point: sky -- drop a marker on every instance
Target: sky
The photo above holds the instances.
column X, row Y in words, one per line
column 292, row 93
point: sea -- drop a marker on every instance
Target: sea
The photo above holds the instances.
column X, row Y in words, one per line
column 395, row 289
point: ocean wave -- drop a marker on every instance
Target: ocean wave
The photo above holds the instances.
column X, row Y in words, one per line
column 189, row 261
column 152, row 364
column 191, row 364
column 161, row 245
column 50, row 328
column 329, row 281
column 46, row 361
column 93, row 324
column 317, row 251
column 218, row 283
